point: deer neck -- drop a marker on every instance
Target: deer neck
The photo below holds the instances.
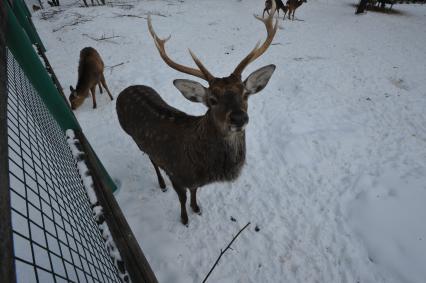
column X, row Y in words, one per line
column 226, row 152
column 82, row 87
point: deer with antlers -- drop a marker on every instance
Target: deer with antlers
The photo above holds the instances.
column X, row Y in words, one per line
column 195, row 150
column 292, row 6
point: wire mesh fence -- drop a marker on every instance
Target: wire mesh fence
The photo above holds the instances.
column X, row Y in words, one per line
column 56, row 238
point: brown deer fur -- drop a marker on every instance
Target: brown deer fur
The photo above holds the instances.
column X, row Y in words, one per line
column 292, row 6
column 195, row 150
column 280, row 5
column 90, row 74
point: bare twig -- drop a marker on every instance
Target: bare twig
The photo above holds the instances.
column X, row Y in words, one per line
column 121, row 6
column 223, row 251
column 79, row 20
column 158, row 14
column 103, row 37
column 112, row 67
column 49, row 14
column 129, row 15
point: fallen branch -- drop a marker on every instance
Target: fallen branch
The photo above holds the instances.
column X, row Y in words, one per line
column 223, row 251
column 79, row 20
column 129, row 15
column 49, row 14
column 112, row 67
column 103, row 37
column 122, row 6
column 158, row 14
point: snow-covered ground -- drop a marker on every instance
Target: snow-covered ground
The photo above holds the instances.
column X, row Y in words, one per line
column 335, row 179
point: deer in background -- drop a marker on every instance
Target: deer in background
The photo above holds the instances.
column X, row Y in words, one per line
column 279, row 4
column 292, row 6
column 195, row 150
column 90, row 74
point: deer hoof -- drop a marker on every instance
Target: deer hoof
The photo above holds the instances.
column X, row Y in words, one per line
column 196, row 209
column 94, row 106
column 184, row 220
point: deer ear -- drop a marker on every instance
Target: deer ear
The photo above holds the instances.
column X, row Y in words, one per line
column 257, row 80
column 192, row 90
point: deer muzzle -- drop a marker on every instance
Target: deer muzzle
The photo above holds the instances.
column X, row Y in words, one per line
column 238, row 120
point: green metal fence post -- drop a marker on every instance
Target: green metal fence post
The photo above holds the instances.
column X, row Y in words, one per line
column 24, row 17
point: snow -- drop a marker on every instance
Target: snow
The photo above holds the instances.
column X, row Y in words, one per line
column 335, row 178
column 82, row 167
column 111, row 247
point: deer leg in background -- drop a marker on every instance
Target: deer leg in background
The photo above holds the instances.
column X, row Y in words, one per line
column 159, row 176
column 181, row 191
column 100, row 88
column 194, row 204
column 265, row 10
column 93, row 90
column 106, row 87
column 293, row 15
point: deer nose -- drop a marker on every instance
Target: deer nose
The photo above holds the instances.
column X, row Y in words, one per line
column 238, row 118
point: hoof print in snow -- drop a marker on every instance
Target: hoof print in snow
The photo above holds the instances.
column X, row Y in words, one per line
column 233, row 219
column 368, row 99
column 257, row 229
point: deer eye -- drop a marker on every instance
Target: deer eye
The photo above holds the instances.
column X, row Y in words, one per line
column 212, row 101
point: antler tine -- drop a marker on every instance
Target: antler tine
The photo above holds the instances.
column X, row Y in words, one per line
column 159, row 43
column 258, row 51
column 200, row 65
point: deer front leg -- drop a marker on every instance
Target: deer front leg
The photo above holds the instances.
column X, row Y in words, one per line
column 93, row 90
column 159, row 177
column 293, row 15
column 100, row 87
column 181, row 192
column 194, row 204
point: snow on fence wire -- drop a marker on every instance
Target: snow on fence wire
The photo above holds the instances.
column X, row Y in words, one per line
column 56, row 238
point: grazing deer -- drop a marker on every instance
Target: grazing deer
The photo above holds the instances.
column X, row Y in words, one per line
column 90, row 74
column 195, row 150
column 280, row 5
column 292, row 6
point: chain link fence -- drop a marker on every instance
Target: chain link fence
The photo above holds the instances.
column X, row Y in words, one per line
column 48, row 229
column 55, row 236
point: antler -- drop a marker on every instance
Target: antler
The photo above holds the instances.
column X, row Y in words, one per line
column 257, row 51
column 202, row 73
